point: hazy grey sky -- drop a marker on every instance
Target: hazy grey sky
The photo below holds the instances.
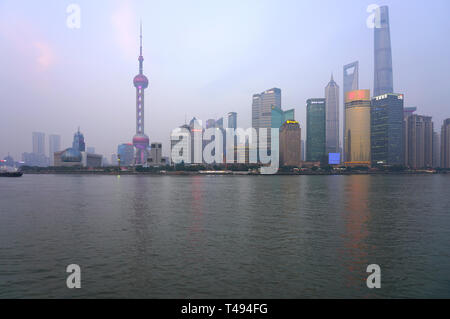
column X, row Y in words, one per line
column 203, row 59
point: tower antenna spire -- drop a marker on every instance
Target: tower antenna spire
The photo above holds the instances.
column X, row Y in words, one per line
column 140, row 47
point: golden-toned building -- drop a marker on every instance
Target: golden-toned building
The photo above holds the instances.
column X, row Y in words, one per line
column 290, row 144
column 357, row 128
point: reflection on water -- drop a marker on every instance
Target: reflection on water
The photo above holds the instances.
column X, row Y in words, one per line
column 357, row 216
column 222, row 236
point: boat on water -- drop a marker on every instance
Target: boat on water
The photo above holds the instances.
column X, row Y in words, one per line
column 11, row 174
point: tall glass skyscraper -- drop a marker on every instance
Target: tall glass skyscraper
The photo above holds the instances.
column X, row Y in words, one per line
column 78, row 142
column 232, row 120
column 351, row 83
column 54, row 145
column 387, row 129
column 332, row 117
column 357, row 128
column 383, row 77
column 262, row 106
column 279, row 117
column 39, row 143
column 315, row 130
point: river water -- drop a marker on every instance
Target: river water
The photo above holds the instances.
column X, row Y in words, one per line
column 225, row 236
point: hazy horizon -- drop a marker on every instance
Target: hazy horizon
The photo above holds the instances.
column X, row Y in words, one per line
column 203, row 59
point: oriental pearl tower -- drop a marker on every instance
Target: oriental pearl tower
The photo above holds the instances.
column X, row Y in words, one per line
column 140, row 140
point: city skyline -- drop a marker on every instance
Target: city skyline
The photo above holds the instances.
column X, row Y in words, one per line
column 53, row 114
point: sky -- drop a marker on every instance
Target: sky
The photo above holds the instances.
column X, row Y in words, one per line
column 203, row 59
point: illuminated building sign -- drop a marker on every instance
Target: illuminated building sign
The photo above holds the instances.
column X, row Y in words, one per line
column 291, row 122
column 334, row 158
column 358, row 95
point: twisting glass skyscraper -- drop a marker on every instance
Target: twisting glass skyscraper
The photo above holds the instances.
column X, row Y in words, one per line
column 383, row 78
column 140, row 140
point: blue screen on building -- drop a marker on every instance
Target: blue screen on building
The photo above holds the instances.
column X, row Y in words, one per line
column 334, row 158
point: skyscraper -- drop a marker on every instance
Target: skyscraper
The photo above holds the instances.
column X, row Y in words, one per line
column 39, row 143
column 232, row 120
column 383, row 77
column 436, row 150
column 54, row 145
column 332, row 117
column 126, row 153
column 351, row 83
column 140, row 140
column 262, row 106
column 78, row 143
column 445, row 144
column 211, row 123
column 290, row 144
column 357, row 128
column 351, row 77
column 387, row 129
column 279, row 117
column 315, row 130
column 419, row 141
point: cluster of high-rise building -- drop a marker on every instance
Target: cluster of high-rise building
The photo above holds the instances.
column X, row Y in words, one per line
column 39, row 156
column 378, row 128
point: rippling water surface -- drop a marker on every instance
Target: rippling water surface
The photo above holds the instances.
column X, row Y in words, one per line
column 224, row 236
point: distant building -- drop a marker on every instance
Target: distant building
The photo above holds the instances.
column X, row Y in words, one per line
column 290, row 144
column 357, row 128
column 315, row 130
column 383, row 76
column 91, row 150
column 211, row 123
column 91, row 160
column 351, row 83
column 407, row 111
column 445, row 144
column 78, row 142
column 126, row 152
column 303, row 153
column 387, row 129
column 418, row 141
column 262, row 106
column 279, row 117
column 232, row 120
column 37, row 157
column 184, row 147
column 155, row 154
column 436, row 150
column 332, row 135
column 39, row 143
column 114, row 159
column 54, row 145
column 219, row 123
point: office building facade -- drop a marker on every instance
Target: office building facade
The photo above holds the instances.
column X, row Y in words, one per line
column 315, row 130
column 387, row 129
column 357, row 128
column 290, row 144
column 332, row 135
column 419, row 141
column 445, row 144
